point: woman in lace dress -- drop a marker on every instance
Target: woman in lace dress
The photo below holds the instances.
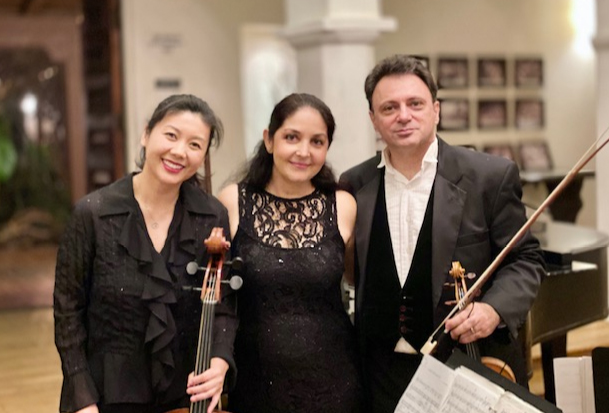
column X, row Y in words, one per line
column 295, row 347
column 124, row 328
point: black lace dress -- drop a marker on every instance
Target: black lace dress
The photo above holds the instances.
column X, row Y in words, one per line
column 295, row 348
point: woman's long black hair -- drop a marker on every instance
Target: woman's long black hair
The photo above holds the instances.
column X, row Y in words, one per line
column 258, row 171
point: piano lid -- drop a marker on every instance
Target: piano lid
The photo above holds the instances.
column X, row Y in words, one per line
column 567, row 238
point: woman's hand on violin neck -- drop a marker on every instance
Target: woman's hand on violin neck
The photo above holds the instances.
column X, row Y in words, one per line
column 476, row 321
column 89, row 409
column 209, row 384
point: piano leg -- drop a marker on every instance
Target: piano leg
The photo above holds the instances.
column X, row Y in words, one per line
column 566, row 206
column 551, row 349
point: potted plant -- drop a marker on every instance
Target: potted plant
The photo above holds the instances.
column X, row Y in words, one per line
column 8, row 154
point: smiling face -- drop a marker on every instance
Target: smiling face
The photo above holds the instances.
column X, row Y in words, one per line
column 299, row 148
column 175, row 147
column 404, row 113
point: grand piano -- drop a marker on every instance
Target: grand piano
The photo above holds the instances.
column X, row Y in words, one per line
column 573, row 294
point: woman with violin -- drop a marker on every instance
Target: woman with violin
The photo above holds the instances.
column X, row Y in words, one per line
column 126, row 327
column 295, row 346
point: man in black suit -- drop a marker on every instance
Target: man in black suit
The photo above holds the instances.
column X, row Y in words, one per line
column 423, row 204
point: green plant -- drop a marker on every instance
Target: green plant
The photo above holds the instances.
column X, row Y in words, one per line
column 36, row 184
column 8, row 154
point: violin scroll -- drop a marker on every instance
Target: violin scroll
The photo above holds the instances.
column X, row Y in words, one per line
column 493, row 363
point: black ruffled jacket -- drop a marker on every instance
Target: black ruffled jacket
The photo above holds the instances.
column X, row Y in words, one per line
column 124, row 328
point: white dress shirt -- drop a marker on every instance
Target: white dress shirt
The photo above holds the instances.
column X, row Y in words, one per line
column 406, row 204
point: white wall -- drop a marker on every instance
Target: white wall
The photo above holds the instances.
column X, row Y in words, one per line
column 268, row 73
column 207, row 59
column 512, row 28
column 197, row 42
column 602, row 41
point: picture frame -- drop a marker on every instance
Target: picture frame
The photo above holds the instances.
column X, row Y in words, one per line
column 453, row 72
column 529, row 114
column 492, row 114
column 535, row 156
column 528, row 72
column 504, row 150
column 492, row 72
column 454, row 114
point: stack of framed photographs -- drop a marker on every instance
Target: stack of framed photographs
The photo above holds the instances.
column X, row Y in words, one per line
column 490, row 93
column 495, row 93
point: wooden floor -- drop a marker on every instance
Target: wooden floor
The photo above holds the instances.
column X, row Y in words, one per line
column 30, row 372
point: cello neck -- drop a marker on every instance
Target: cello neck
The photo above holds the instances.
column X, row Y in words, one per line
column 204, row 349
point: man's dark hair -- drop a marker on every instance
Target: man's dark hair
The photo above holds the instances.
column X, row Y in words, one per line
column 399, row 64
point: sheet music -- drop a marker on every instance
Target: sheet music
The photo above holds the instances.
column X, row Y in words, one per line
column 510, row 403
column 470, row 395
column 427, row 388
column 574, row 384
column 437, row 388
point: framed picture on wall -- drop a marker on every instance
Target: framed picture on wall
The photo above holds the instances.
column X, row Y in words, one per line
column 528, row 72
column 535, row 156
column 454, row 114
column 529, row 114
column 491, row 72
column 504, row 150
column 453, row 72
column 492, row 114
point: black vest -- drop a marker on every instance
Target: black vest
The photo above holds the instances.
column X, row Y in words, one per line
column 390, row 311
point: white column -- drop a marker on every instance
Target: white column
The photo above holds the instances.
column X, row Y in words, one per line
column 334, row 44
column 601, row 43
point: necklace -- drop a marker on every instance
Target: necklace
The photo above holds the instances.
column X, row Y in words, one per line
column 153, row 213
column 153, row 222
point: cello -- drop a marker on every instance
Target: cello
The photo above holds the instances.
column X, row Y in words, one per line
column 216, row 245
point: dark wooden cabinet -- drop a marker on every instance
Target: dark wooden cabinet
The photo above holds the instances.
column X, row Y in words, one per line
column 105, row 142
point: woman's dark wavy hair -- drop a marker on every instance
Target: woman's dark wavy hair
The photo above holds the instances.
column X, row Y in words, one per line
column 186, row 103
column 258, row 171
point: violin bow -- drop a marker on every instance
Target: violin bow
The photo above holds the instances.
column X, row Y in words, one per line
column 431, row 343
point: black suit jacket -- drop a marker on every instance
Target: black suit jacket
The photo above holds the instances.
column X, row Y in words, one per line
column 476, row 211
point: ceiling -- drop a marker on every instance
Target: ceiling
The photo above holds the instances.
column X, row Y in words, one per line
column 40, row 7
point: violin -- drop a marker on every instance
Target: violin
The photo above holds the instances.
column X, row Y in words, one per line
column 432, row 342
column 216, row 245
column 472, row 350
